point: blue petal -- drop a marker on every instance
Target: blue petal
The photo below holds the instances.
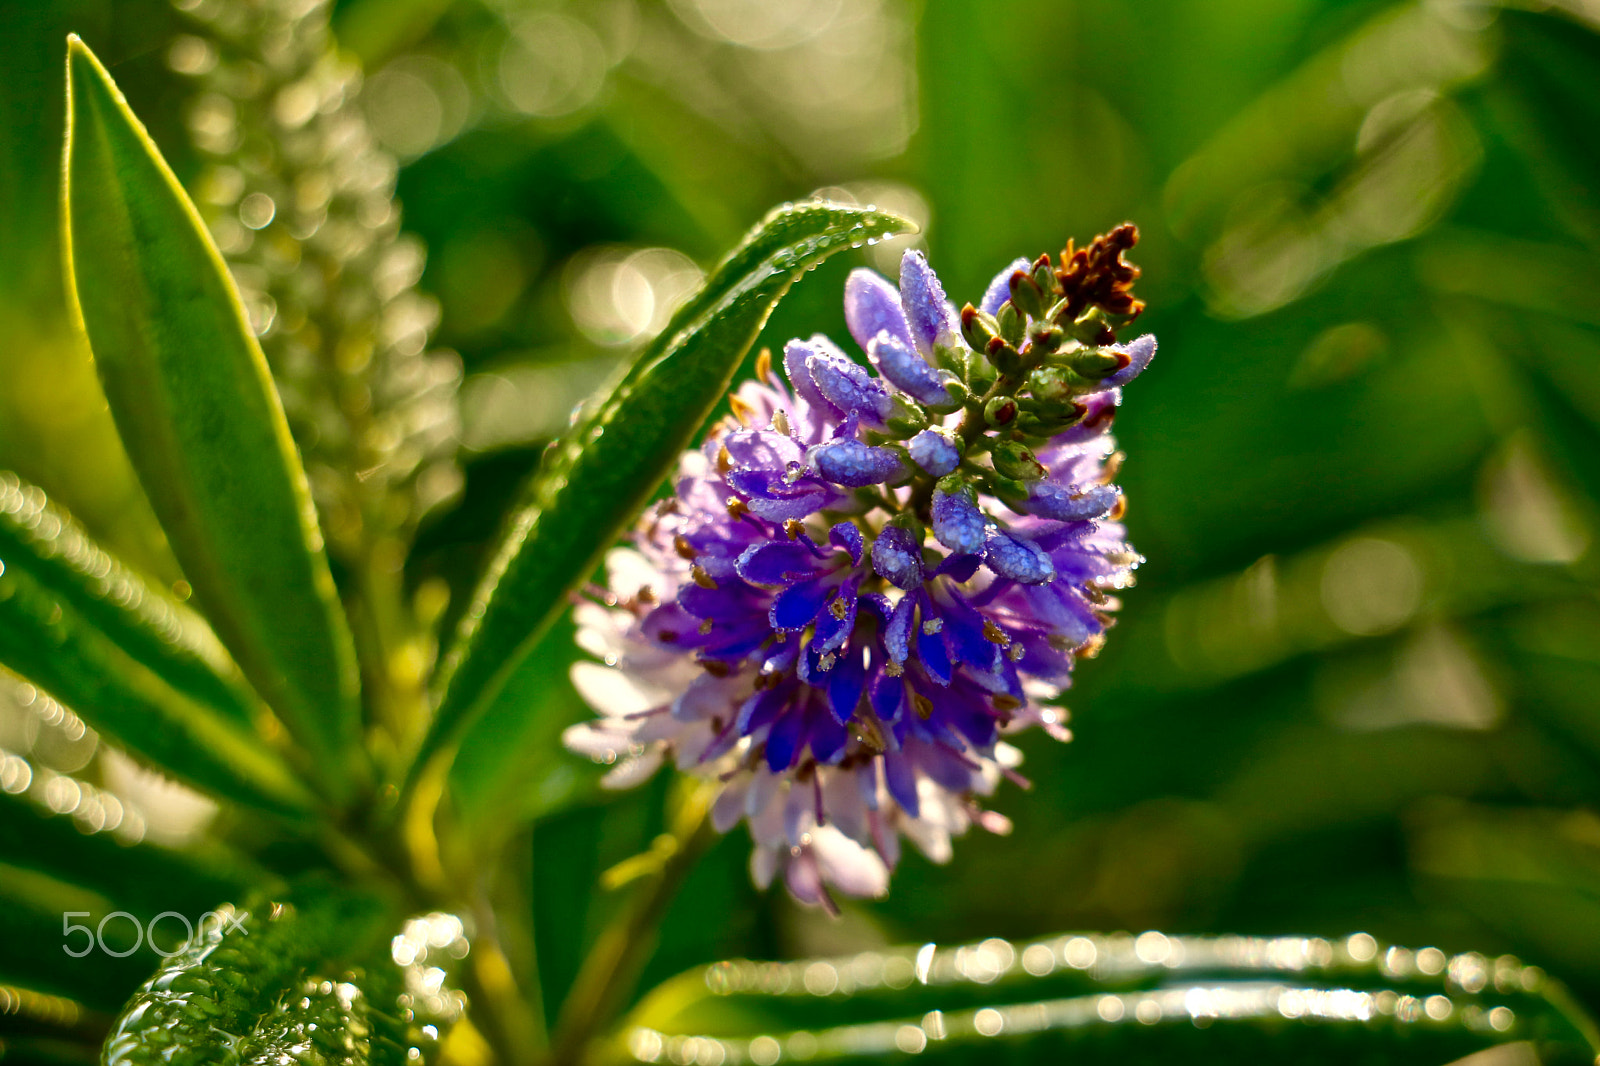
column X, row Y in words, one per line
column 760, row 709
column 783, row 741
column 832, row 631
column 1018, row 558
column 872, row 306
column 908, row 371
column 935, row 658
column 928, row 312
column 901, row 778
column 897, row 636
column 777, row 564
column 827, row 738
column 847, row 535
column 797, row 605
column 854, row 464
column 795, row 355
column 935, row 452
column 887, row 696
column 897, row 556
column 1057, row 502
column 963, row 633
column 1139, row 351
column 957, row 522
column 999, row 290
column 846, row 682
column 959, row 568
column 849, row 387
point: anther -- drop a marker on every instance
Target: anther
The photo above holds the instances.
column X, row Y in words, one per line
column 838, row 608
column 932, row 626
column 701, row 578
column 780, row 422
column 792, row 528
column 994, row 634
column 681, row 545
column 923, row 705
column 741, row 410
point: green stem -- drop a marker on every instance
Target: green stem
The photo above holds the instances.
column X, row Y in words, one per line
column 613, row 965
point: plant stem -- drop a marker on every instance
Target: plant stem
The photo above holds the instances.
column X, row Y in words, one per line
column 614, row 963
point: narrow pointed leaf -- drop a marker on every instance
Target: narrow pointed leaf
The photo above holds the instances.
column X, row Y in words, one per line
column 194, row 403
column 150, row 626
column 273, row 983
column 47, row 639
column 595, row 480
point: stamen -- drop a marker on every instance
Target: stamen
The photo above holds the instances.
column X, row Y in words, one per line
column 681, row 545
column 714, row 667
column 764, row 365
column 932, row 626
column 780, row 422
column 894, row 668
column 705, row 628
column 923, row 705
column 741, row 410
column 792, row 528
column 826, row 660
column 1015, row 653
column 724, row 461
column 838, row 608
column 701, row 578
column 995, row 635
column 1113, row 467
column 737, row 508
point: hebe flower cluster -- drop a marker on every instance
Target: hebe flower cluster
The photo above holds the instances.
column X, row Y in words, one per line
column 864, row 581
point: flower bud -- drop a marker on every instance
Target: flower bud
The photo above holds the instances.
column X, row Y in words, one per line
column 1002, row 356
column 1026, row 294
column 1000, row 411
column 1015, row 460
column 957, row 522
column 1011, row 323
column 978, row 327
column 935, row 452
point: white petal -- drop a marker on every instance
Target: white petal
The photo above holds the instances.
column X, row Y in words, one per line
column 616, row 693
column 632, row 771
column 763, row 865
column 855, row 870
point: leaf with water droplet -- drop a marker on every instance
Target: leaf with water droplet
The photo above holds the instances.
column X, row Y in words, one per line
column 194, row 403
column 585, row 494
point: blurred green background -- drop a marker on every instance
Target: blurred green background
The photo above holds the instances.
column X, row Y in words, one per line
column 1356, row 686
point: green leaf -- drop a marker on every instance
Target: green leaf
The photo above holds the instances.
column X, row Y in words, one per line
column 275, row 983
column 193, row 400
column 152, row 627
column 596, row 480
column 34, row 909
column 1116, row 999
column 47, row 638
column 146, row 878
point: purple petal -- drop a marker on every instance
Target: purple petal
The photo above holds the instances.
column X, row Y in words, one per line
column 928, row 312
column 901, row 778
column 897, row 636
column 846, row 682
column 1139, row 351
column 760, row 709
column 777, row 563
column 795, row 356
column 848, row 387
column 957, row 522
column 959, row 568
column 854, row 464
column 897, row 556
column 887, row 696
column 963, row 633
column 827, row 737
column 838, row 620
column 935, row 658
column 909, row 371
column 783, row 740
column 797, row 605
column 847, row 535
column 872, row 306
column 999, row 290
column 1058, row 503
column 1018, row 558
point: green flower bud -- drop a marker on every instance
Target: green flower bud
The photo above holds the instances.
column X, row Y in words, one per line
column 978, row 327
column 1026, row 294
column 1016, row 461
column 1000, row 411
column 906, row 419
column 1003, row 356
column 1011, row 324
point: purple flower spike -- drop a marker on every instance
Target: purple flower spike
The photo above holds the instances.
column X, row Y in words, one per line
column 1018, row 558
column 1060, row 504
column 909, row 371
column 849, row 462
column 1139, row 351
column 848, row 386
column 872, row 306
column 999, row 290
column 930, row 315
column 935, row 452
column 897, row 556
column 957, row 522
